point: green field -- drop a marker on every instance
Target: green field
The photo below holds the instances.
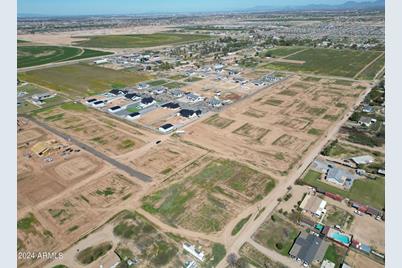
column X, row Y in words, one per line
column 79, row 80
column 366, row 191
column 332, row 62
column 156, row 248
column 373, row 69
column 91, row 254
column 138, row 40
column 28, row 56
column 174, row 85
column 240, row 225
column 282, row 51
column 335, row 254
column 277, row 234
column 173, row 203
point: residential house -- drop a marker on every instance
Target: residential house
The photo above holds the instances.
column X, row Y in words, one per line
column 313, row 204
column 133, row 116
column 365, row 121
column 363, row 160
column 308, row 248
column 146, row 102
column 171, row 105
column 132, row 96
column 194, row 97
column 187, row 113
column 166, row 128
column 200, row 255
column 115, row 109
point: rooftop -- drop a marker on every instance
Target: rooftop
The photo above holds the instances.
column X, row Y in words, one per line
column 309, row 248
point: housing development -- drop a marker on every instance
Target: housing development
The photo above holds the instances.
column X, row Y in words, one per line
column 238, row 139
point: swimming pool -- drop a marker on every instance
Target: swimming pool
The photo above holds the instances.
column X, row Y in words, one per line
column 341, row 238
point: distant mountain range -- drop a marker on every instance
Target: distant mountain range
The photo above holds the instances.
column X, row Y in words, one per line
column 345, row 6
column 349, row 5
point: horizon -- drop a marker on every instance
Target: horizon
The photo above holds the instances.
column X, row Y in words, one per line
column 139, row 7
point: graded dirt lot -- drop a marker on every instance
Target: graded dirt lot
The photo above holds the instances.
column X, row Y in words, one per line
column 156, row 117
column 63, row 220
column 275, row 127
column 67, row 38
column 359, row 260
column 208, row 87
column 367, row 230
column 97, row 129
column 46, row 168
column 166, row 158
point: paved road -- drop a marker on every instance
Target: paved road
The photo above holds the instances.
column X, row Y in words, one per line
column 95, row 152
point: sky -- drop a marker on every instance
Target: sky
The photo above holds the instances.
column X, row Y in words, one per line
column 107, row 7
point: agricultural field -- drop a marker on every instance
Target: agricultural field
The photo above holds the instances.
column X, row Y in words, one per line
column 275, row 128
column 79, row 80
column 373, row 69
column 282, row 51
column 28, row 56
column 331, row 62
column 276, row 234
column 366, row 191
column 208, row 197
column 138, row 40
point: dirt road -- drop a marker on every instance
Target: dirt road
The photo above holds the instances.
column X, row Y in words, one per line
column 233, row 244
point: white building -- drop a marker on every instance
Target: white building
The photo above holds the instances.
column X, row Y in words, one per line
column 194, row 251
column 98, row 104
column 166, row 128
column 102, row 61
column 194, row 97
column 363, row 159
column 115, row 109
column 133, row 116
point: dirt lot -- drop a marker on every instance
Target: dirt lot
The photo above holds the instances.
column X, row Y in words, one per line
column 276, row 127
column 210, row 85
column 156, row 117
column 367, row 230
column 205, row 195
column 359, row 260
column 63, row 220
column 66, row 38
column 43, row 177
column 166, row 158
column 132, row 235
column 97, row 129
